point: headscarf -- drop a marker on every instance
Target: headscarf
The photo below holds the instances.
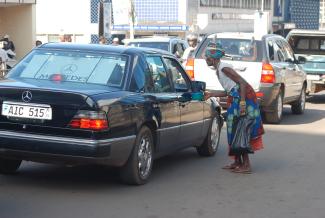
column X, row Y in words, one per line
column 214, row 50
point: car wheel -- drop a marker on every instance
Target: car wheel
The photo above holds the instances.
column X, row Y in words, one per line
column 211, row 143
column 275, row 117
column 9, row 166
column 139, row 165
column 298, row 107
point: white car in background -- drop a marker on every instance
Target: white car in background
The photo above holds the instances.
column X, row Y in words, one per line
column 174, row 45
column 268, row 64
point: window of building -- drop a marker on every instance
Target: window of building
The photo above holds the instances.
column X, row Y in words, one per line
column 245, row 4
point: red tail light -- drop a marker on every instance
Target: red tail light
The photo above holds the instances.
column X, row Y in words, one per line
column 268, row 75
column 190, row 68
column 91, row 120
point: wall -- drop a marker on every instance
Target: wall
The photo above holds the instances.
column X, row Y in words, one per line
column 305, row 13
column 19, row 22
column 228, row 25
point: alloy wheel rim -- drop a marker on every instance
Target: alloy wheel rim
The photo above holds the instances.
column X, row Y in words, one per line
column 303, row 100
column 144, row 157
column 214, row 134
column 279, row 107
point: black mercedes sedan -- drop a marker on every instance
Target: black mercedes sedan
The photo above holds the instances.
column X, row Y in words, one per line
column 95, row 104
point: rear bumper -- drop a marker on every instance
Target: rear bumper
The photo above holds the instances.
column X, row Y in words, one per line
column 314, row 86
column 269, row 94
column 53, row 149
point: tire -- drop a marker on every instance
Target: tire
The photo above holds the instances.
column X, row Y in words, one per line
column 138, row 168
column 211, row 143
column 298, row 107
column 9, row 166
column 275, row 117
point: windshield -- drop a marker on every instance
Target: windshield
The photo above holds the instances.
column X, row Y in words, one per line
column 67, row 66
column 238, row 49
column 158, row 45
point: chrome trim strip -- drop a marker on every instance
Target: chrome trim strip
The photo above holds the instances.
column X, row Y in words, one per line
column 56, row 139
column 193, row 123
column 169, row 128
column 187, row 124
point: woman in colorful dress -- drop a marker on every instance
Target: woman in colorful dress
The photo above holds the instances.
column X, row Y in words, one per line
column 241, row 101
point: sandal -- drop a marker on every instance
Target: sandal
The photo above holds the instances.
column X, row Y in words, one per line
column 230, row 166
column 241, row 170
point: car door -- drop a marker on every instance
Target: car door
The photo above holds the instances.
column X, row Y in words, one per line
column 191, row 110
column 277, row 59
column 165, row 101
column 288, row 69
column 298, row 73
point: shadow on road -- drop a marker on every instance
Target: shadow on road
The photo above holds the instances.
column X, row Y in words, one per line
column 309, row 116
column 96, row 178
column 316, row 99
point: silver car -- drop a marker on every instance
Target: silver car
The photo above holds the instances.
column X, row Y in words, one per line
column 268, row 64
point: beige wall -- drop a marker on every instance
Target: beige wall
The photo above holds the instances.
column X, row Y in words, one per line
column 19, row 23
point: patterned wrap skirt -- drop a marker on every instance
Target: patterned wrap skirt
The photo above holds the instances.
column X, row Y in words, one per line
column 252, row 110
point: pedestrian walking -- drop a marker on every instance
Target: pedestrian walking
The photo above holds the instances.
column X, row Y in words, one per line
column 192, row 40
column 102, row 40
column 241, row 101
column 38, row 43
column 116, row 41
column 8, row 43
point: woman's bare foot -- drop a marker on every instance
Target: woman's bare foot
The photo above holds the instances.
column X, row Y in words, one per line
column 242, row 169
column 231, row 166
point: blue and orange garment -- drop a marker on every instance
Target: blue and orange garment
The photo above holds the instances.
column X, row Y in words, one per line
column 252, row 110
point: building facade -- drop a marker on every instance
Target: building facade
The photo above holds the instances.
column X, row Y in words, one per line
column 322, row 15
column 299, row 14
column 227, row 15
column 152, row 17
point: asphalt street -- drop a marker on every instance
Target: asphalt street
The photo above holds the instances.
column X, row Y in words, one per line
column 288, row 180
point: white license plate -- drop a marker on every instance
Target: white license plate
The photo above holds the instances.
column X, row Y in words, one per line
column 313, row 77
column 31, row 111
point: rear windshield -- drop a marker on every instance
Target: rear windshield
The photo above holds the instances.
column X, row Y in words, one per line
column 308, row 44
column 70, row 66
column 237, row 49
column 158, row 45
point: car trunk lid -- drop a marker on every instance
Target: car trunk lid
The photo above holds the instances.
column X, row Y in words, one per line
column 64, row 101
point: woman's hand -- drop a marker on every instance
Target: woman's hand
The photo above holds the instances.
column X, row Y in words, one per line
column 242, row 106
column 207, row 95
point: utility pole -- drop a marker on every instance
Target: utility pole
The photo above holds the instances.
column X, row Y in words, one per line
column 101, row 19
column 262, row 6
column 132, row 17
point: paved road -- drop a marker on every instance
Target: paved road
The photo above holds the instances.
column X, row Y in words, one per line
column 288, row 181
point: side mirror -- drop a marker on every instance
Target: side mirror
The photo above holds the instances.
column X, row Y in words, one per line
column 198, row 86
column 301, row 60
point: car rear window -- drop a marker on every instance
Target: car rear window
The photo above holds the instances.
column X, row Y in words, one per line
column 158, row 45
column 108, row 69
column 308, row 44
column 237, row 49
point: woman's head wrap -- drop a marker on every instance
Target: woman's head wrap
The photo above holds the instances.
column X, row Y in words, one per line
column 214, row 50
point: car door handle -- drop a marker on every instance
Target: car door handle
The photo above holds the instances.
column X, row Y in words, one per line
column 183, row 104
column 155, row 105
column 131, row 106
column 242, row 69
